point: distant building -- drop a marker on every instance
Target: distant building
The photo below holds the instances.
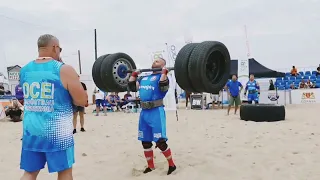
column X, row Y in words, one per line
column 13, row 77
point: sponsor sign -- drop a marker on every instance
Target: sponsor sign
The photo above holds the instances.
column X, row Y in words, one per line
column 196, row 101
column 305, row 96
column 274, row 97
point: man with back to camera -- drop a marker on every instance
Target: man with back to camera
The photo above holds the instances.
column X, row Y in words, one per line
column 234, row 93
column 253, row 89
column 152, row 121
column 50, row 88
column 100, row 101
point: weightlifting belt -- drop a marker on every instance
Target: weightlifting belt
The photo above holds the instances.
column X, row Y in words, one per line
column 253, row 91
column 151, row 104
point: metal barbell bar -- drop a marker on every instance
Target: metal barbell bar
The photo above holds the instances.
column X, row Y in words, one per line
column 148, row 70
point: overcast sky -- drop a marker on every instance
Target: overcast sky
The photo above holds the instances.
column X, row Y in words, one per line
column 281, row 33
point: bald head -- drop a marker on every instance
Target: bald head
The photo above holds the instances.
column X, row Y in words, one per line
column 159, row 63
column 46, row 40
column 48, row 46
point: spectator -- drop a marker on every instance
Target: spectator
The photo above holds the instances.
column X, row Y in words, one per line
column 302, row 84
column 111, row 101
column 318, row 71
column 188, row 94
column 19, row 93
column 309, row 84
column 79, row 110
column 234, row 88
column 271, row 85
column 2, row 91
column 100, row 101
column 118, row 100
column 215, row 99
column 292, row 86
column 14, row 111
column 294, row 71
column 125, row 99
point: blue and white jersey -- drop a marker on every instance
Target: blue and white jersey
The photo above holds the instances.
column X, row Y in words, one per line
column 149, row 89
column 252, row 86
column 47, row 123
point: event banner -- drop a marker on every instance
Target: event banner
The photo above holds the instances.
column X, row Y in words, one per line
column 305, row 96
column 243, row 74
column 274, row 97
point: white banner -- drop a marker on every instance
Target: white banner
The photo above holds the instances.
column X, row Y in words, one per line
column 169, row 100
column 305, row 96
column 243, row 75
column 297, row 96
column 274, row 97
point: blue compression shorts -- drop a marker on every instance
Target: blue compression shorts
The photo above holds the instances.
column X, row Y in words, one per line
column 152, row 125
column 253, row 97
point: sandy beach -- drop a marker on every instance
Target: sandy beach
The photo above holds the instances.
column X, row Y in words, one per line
column 206, row 145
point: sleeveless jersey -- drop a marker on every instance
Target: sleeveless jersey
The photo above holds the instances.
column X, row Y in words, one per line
column 149, row 88
column 252, row 86
column 47, row 123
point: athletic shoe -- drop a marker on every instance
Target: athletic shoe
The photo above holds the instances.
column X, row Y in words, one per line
column 171, row 169
column 147, row 170
column 82, row 130
column 74, row 131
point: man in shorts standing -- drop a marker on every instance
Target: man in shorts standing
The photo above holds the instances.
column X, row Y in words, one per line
column 80, row 110
column 100, row 101
column 152, row 122
column 50, row 88
column 234, row 87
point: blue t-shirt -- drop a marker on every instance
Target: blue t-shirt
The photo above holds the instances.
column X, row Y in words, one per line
column 233, row 87
column 47, row 123
column 149, row 88
column 19, row 92
column 252, row 87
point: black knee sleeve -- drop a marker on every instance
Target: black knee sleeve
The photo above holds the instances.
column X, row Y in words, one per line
column 162, row 144
column 146, row 145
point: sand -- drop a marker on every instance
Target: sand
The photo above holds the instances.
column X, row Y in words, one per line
column 206, row 145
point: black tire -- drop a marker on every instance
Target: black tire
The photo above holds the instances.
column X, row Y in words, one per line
column 181, row 67
column 96, row 75
column 210, row 64
column 262, row 112
column 111, row 79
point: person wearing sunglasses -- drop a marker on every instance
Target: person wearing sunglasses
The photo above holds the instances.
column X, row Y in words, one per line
column 50, row 88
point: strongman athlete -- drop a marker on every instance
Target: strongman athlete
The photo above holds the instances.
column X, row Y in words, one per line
column 253, row 89
column 152, row 122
